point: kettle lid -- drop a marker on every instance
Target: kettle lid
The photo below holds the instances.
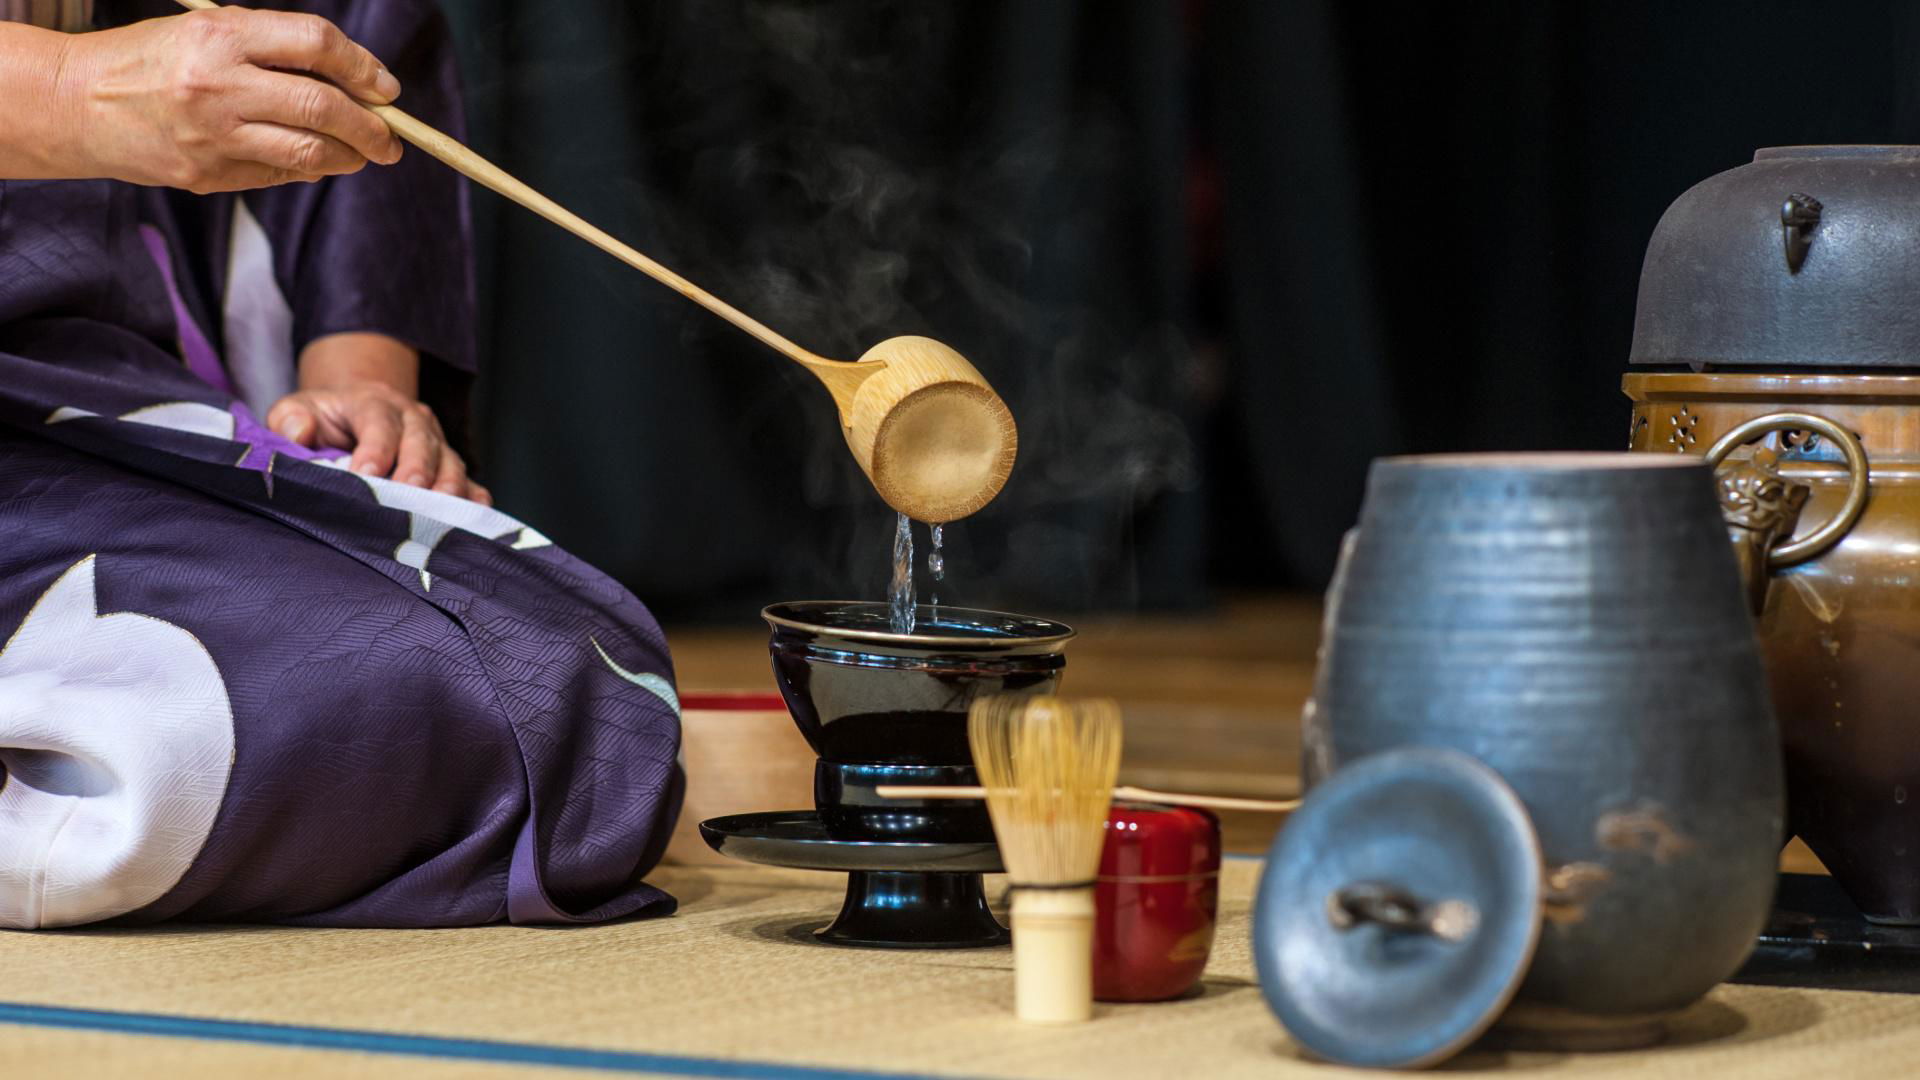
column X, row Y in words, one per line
column 1801, row 258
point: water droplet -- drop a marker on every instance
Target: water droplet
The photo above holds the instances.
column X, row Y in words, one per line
column 1899, row 793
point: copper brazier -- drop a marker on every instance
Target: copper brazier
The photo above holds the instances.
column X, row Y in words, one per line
column 1779, row 297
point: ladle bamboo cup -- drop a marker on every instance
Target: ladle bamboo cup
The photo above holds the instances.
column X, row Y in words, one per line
column 931, row 435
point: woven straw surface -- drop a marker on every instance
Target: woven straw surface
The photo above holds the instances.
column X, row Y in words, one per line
column 734, row 977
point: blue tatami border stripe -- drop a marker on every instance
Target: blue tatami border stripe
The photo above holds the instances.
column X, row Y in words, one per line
column 428, row 1046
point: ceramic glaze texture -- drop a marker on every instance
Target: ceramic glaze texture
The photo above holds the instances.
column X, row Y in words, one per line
column 1576, row 622
column 1841, row 633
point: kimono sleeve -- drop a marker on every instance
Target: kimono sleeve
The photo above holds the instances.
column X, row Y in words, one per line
column 388, row 249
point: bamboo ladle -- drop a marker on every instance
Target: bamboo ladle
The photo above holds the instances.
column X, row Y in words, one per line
column 928, row 431
column 1120, row 792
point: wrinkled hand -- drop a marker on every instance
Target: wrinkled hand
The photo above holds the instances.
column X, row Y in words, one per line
column 390, row 434
column 225, row 100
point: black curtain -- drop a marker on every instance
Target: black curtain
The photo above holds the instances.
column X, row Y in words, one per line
column 1216, row 255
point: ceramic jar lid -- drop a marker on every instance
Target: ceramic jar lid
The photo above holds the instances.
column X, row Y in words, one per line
column 1399, row 909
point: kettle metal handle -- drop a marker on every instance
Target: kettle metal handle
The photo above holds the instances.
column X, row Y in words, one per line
column 1762, row 507
column 1827, row 535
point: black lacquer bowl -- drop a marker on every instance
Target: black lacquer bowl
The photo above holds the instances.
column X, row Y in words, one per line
column 862, row 693
column 884, row 708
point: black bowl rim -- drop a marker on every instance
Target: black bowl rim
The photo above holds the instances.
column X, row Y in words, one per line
column 1057, row 633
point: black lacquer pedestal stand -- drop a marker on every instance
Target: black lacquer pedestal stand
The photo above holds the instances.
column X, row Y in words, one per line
column 901, row 894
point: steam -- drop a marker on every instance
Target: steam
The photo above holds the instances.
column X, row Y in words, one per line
column 878, row 222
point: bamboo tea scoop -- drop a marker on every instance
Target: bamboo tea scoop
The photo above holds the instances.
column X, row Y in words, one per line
column 1123, row 792
column 931, row 435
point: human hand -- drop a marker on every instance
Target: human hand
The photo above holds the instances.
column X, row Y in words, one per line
column 357, row 393
column 224, row 100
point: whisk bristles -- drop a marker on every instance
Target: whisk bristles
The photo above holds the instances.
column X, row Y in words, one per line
column 1048, row 766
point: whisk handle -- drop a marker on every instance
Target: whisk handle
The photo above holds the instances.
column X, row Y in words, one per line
column 1053, row 955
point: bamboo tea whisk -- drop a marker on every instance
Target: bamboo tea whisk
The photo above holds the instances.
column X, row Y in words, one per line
column 932, row 436
column 1048, row 766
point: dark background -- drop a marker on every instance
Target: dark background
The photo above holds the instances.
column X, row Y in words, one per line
column 1216, row 256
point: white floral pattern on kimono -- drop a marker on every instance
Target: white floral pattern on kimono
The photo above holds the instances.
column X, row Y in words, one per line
column 117, row 740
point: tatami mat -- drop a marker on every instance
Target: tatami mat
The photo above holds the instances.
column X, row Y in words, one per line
column 732, row 986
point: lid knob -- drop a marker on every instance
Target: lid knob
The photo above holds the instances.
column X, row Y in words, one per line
column 1799, row 216
column 1399, row 910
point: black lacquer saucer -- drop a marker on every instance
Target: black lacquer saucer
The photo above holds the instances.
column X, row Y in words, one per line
column 1817, row 938
column 901, row 894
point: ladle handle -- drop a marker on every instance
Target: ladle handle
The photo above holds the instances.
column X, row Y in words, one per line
column 485, row 173
column 1135, row 794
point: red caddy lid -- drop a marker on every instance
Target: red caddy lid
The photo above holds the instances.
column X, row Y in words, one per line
column 1144, row 840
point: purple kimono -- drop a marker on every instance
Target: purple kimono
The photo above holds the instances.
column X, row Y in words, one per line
column 240, row 682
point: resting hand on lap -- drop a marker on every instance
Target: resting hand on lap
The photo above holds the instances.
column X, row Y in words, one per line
column 207, row 101
column 359, row 392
